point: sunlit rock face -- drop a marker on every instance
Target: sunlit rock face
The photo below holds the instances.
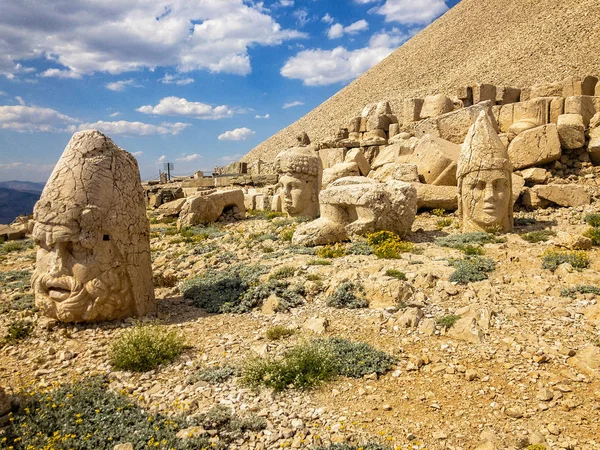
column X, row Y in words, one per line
column 299, row 170
column 93, row 260
column 484, row 180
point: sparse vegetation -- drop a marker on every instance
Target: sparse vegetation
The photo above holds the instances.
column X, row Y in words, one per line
column 357, row 359
column 443, row 223
column 439, row 212
column 213, row 375
column 15, row 246
column 593, row 220
column 17, row 331
column 459, row 241
column 319, row 262
column 368, row 446
column 145, row 347
column 472, row 250
column 551, row 259
column 395, row 274
column 279, row 332
column 538, row 236
column 361, row 248
column 536, row 447
column 594, row 234
column 524, row 221
column 332, row 251
column 388, row 245
column 470, row 269
column 448, row 320
column 348, row 295
column 580, row 289
column 282, row 272
column 164, row 280
column 289, row 296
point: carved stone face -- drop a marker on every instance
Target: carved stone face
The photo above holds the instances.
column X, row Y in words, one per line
column 80, row 274
column 486, row 197
column 299, row 195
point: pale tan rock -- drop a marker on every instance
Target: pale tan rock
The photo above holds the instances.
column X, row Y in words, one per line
column 595, row 121
column 204, row 209
column 466, row 329
column 394, row 130
column 4, row 402
column 546, row 90
column 484, row 92
column 506, row 95
column 392, row 153
column 332, row 156
column 465, row 95
column 436, row 105
column 594, row 146
column 433, row 197
column 172, row 208
column 530, row 199
column 263, row 202
column 583, row 105
column 535, row 109
column 573, row 241
column 188, row 433
column 376, row 136
column 455, row 125
column 393, row 171
column 410, row 318
column 519, row 127
column 317, row 325
column 436, row 160
column 354, row 125
column 387, row 293
column 412, row 109
column 518, row 186
column 250, row 201
column 300, row 171
column 9, row 233
column 534, row 147
column 378, row 116
column 94, row 260
column 340, row 170
column 587, row 361
column 355, row 206
column 557, row 107
column 123, row 447
column 571, row 131
column 567, row 195
column 357, row 156
column 277, row 203
column 535, row 175
column 484, row 180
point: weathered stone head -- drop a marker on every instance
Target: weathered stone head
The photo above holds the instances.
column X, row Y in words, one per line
column 484, row 180
column 93, row 261
column 300, row 172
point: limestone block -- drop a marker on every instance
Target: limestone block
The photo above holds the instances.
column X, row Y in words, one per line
column 546, row 90
column 394, row 171
column 573, row 241
column 432, row 197
column 589, row 85
column 557, row 107
column 582, row 105
column 466, row 329
column 265, row 179
column 484, row 92
column 572, row 86
column 530, row 199
column 525, row 94
column 519, row 127
column 595, row 121
column 506, row 95
column 353, row 142
column 392, row 153
column 412, row 109
column 533, row 147
column 594, row 146
column 263, row 202
column 332, row 156
column 340, row 170
column 276, row 203
column 172, row 208
column 357, row 156
column 8, row 233
column 518, row 186
column 203, row 209
column 571, row 131
column 537, row 110
column 505, row 118
column 465, row 94
column 454, row 125
column 250, row 201
column 436, row 160
column 567, row 195
column 354, row 125
column 535, row 175
column 436, row 105
column 378, row 115
column 496, row 112
column 394, row 129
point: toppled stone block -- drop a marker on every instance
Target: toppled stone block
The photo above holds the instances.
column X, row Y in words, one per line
column 357, row 156
column 533, row 147
column 573, row 241
column 250, row 201
column 546, row 90
column 394, row 171
column 506, row 95
column 519, row 127
column 332, row 156
column 317, row 325
column 594, row 146
column 466, row 329
column 8, row 233
column 584, row 105
column 394, row 130
column 173, row 208
column 436, row 160
column 571, row 131
column 436, row 105
column 412, row 109
column 465, row 95
column 263, row 202
column 378, row 116
column 535, row 175
column 484, row 92
column 567, row 195
column 340, row 170
column 392, row 153
column 454, row 125
column 433, row 197
column 354, row 125
column 574, row 85
column 203, row 209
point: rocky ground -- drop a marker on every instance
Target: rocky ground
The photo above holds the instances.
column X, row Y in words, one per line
column 519, row 367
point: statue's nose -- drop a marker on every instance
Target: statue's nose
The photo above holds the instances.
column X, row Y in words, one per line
column 59, row 256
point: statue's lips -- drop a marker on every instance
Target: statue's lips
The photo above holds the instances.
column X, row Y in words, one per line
column 59, row 289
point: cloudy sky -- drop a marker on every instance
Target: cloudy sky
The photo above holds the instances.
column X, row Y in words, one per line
column 194, row 82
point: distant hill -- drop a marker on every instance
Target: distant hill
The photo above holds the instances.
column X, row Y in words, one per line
column 14, row 202
column 23, row 186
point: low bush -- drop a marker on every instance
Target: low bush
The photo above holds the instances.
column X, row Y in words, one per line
column 16, row 279
column 592, row 220
column 267, row 215
column 17, row 330
column 162, row 280
column 536, row 447
column 580, row 289
column 15, row 246
column 471, row 269
column 283, row 272
column 319, row 262
column 213, row 375
column 279, row 332
column 357, row 359
column 368, row 446
column 222, row 291
column 19, row 302
column 594, row 234
column 332, row 251
column 287, row 234
column 553, row 258
column 261, row 237
column 145, row 347
column 472, row 250
column 439, row 212
column 448, row 321
column 459, row 241
column 348, row 295
column 301, row 250
column 360, row 248
column 443, row 223
column 538, row 236
column 388, row 245
column 289, row 296
column 395, row 274
column 524, row 221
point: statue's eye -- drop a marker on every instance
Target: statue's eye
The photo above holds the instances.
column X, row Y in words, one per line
column 106, row 237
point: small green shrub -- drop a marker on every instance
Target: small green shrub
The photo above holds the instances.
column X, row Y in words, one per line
column 443, row 223
column 439, row 212
column 145, row 347
column 16, row 279
column 471, row 269
column 538, row 236
column 213, row 375
column 357, row 359
column 367, row 446
column 300, row 367
column 388, row 245
column 348, row 295
column 261, row 237
column 580, row 289
column 395, row 274
column 267, row 215
column 361, row 248
column 319, row 262
column 536, row 447
column 332, row 251
column 524, row 221
column 162, row 280
column 301, row 250
column 458, row 241
column 448, row 321
column 15, row 246
column 279, row 332
column 592, row 220
column 19, row 302
column 313, row 277
column 289, row 296
column 287, row 234
column 472, row 250
column 17, row 330
column 283, row 272
column 553, row 258
column 594, row 234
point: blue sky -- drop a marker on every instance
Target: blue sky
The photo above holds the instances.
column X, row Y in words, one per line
column 194, row 82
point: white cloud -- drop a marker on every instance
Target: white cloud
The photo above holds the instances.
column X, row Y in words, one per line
column 132, row 128
column 189, row 158
column 20, row 100
column 3, row 93
column 90, row 36
column 115, row 114
column 32, row 118
column 136, row 154
column 327, row 18
column 239, row 134
column 286, row 2
column 266, row 116
column 175, row 106
column 176, row 79
column 301, row 16
column 393, row 38
column 230, row 158
column 162, row 159
column 337, row 30
column 408, row 12
column 119, row 86
column 291, row 104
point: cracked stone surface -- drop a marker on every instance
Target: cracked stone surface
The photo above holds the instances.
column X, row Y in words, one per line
column 93, row 261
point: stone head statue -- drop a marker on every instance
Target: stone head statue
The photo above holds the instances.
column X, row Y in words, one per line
column 300, row 172
column 93, row 261
column 303, row 139
column 484, row 180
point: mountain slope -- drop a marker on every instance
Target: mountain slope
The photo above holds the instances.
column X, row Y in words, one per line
column 506, row 42
column 14, row 203
column 23, row 186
